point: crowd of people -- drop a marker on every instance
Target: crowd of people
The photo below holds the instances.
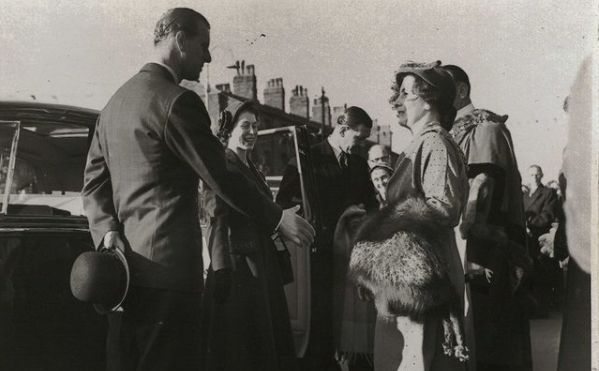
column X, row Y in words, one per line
column 433, row 261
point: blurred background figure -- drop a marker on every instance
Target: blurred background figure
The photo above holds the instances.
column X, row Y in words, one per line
column 379, row 175
column 575, row 345
column 540, row 205
column 379, row 154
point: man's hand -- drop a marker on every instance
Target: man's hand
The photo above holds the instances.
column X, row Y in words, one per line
column 546, row 242
column 222, row 285
column 113, row 240
column 477, row 269
column 295, row 229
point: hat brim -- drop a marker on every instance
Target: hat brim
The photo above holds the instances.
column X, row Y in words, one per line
column 101, row 308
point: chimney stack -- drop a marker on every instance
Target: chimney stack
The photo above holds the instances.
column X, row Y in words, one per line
column 274, row 94
column 299, row 103
column 321, row 103
column 244, row 83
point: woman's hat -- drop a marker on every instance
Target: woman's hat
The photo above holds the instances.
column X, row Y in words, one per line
column 432, row 73
column 101, row 278
column 382, row 165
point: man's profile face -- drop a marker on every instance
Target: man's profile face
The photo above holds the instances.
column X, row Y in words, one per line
column 197, row 52
column 352, row 137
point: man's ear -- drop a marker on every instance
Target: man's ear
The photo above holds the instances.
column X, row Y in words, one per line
column 462, row 90
column 180, row 41
column 343, row 129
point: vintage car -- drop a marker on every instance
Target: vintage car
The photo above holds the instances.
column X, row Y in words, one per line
column 43, row 229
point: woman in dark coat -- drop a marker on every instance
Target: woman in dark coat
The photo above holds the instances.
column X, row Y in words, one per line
column 246, row 316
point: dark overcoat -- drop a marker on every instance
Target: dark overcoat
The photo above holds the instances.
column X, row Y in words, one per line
column 250, row 330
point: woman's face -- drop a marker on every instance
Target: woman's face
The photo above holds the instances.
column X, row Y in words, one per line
column 245, row 133
column 408, row 105
column 380, row 179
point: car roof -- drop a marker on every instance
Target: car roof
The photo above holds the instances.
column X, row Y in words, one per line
column 40, row 114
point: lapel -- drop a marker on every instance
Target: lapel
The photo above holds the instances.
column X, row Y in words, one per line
column 329, row 160
column 534, row 198
column 260, row 179
column 253, row 175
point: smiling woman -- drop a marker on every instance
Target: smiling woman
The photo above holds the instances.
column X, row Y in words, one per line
column 248, row 325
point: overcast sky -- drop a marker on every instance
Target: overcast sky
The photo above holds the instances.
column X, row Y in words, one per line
column 521, row 55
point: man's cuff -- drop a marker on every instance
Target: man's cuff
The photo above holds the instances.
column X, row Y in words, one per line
column 276, row 230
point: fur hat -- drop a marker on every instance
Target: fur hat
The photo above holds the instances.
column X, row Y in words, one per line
column 398, row 257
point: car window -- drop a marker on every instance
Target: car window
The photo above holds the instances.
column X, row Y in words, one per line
column 41, row 167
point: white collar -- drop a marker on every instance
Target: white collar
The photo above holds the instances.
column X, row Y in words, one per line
column 170, row 70
column 335, row 148
column 464, row 111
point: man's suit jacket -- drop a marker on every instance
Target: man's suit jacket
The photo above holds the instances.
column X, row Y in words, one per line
column 540, row 209
column 337, row 189
column 152, row 142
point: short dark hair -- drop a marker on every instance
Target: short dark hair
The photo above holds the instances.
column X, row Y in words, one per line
column 178, row 19
column 355, row 116
column 442, row 101
column 539, row 169
column 458, row 75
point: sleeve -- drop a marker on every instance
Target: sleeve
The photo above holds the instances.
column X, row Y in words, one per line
column 489, row 145
column 440, row 179
column 187, row 133
column 290, row 193
column 546, row 214
column 218, row 230
column 97, row 193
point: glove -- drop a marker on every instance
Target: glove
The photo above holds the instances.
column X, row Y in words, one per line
column 222, row 285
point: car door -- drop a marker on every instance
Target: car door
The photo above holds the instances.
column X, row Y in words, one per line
column 275, row 150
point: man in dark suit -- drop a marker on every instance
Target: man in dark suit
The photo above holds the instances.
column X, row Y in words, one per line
column 342, row 179
column 151, row 145
column 540, row 206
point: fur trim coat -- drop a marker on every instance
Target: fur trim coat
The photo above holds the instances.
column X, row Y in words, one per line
column 398, row 257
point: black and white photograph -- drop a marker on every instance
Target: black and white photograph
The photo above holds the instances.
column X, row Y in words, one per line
column 284, row 185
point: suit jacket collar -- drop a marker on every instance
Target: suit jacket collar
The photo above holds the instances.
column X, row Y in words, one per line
column 248, row 171
column 537, row 194
column 158, row 69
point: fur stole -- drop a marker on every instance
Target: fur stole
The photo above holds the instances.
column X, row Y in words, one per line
column 398, row 256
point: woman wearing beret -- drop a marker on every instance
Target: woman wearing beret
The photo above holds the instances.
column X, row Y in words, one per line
column 426, row 195
column 247, row 320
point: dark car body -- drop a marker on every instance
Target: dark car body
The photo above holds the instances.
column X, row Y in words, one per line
column 42, row 326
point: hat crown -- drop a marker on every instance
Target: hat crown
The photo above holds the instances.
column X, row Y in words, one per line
column 100, row 278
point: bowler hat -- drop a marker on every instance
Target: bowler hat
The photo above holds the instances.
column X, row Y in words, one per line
column 101, row 278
